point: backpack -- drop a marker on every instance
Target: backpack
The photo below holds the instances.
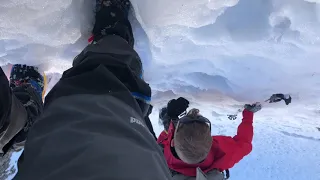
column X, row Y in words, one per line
column 211, row 175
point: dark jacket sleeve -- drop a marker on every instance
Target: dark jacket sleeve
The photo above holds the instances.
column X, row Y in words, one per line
column 148, row 122
column 5, row 100
column 92, row 127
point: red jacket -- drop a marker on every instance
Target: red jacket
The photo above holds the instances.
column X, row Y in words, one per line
column 225, row 151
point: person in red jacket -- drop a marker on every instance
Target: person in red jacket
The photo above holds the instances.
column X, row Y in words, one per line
column 187, row 142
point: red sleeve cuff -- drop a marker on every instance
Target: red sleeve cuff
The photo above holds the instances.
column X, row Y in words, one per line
column 247, row 115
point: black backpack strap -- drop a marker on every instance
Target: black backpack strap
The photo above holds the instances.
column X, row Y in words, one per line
column 161, row 147
column 227, row 174
column 213, row 174
column 173, row 172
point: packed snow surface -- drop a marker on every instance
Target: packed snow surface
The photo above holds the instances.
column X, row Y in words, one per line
column 219, row 53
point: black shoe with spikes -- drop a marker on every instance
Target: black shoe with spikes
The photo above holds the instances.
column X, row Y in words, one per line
column 112, row 19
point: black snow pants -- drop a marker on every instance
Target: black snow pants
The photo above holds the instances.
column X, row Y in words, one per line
column 93, row 126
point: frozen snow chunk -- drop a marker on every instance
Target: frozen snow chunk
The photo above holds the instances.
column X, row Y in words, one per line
column 191, row 13
column 313, row 1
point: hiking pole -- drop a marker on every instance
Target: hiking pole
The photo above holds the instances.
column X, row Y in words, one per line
column 273, row 99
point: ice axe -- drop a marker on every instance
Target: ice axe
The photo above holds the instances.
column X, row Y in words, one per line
column 273, row 99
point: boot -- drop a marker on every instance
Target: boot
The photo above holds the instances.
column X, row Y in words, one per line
column 28, row 85
column 112, row 19
column 22, row 75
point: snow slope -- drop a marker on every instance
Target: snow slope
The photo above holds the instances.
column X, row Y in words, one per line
column 219, row 53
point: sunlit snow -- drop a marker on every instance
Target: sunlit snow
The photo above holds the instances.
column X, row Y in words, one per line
column 219, row 53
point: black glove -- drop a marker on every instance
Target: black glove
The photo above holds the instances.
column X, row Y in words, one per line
column 164, row 119
column 253, row 108
column 176, row 107
column 279, row 97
